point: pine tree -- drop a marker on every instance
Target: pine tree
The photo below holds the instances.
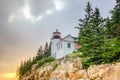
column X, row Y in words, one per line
column 90, row 31
column 47, row 49
column 84, row 33
column 40, row 51
column 116, row 19
column 20, row 70
column 91, row 36
column 39, row 55
column 111, row 47
column 97, row 31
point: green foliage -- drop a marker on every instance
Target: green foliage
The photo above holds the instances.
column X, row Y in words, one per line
column 91, row 60
column 99, row 38
column 90, row 35
column 40, row 62
column 24, row 67
column 45, row 60
column 111, row 50
column 41, row 58
column 116, row 19
column 111, row 47
column 49, row 59
column 75, row 54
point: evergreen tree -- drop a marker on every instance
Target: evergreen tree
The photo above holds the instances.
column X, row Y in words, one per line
column 39, row 55
column 47, row 49
column 43, row 55
column 91, row 36
column 40, row 51
column 20, row 70
column 111, row 50
column 97, row 31
column 84, row 33
column 111, row 47
column 108, row 28
column 96, row 18
column 88, row 11
column 91, row 31
column 116, row 19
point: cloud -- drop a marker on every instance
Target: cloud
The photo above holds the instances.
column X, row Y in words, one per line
column 35, row 10
column 11, row 18
column 27, row 13
column 9, row 6
column 40, row 6
column 48, row 12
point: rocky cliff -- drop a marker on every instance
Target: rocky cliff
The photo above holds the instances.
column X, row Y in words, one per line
column 71, row 69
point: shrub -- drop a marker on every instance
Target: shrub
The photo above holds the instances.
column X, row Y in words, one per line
column 45, row 60
column 40, row 62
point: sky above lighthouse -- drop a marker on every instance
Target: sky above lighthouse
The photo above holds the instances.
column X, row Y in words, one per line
column 27, row 24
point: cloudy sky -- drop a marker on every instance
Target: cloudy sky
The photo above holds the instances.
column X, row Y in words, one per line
column 27, row 24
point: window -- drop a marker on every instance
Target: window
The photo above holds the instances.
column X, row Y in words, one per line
column 69, row 45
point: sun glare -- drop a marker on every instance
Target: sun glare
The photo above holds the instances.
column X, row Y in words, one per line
column 58, row 4
column 26, row 11
column 10, row 75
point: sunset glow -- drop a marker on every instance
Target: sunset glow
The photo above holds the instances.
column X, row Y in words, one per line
column 10, row 75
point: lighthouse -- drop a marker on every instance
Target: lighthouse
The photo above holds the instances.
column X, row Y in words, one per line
column 55, row 39
column 61, row 47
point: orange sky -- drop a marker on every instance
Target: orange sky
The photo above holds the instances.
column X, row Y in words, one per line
column 8, row 67
column 8, row 76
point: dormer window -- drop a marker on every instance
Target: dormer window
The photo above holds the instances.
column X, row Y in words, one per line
column 69, row 45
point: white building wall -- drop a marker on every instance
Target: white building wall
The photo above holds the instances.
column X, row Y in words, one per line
column 59, row 49
column 69, row 50
column 54, row 47
column 65, row 50
column 61, row 52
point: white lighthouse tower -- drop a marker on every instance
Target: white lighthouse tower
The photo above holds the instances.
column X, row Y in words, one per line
column 55, row 39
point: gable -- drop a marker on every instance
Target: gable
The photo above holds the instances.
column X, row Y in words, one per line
column 69, row 38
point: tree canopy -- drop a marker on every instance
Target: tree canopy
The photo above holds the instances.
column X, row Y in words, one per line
column 99, row 37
